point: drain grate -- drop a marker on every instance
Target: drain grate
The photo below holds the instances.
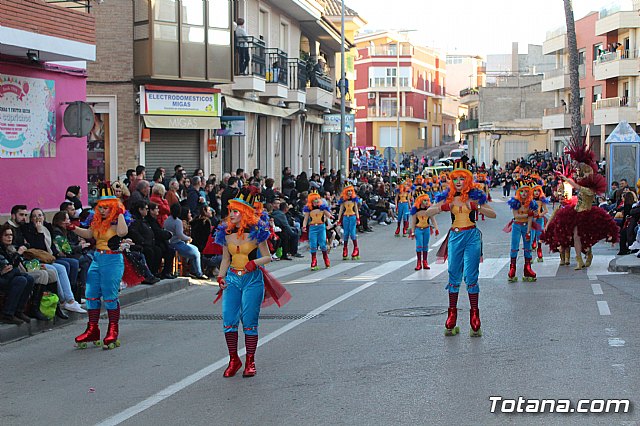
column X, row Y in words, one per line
column 204, row 317
column 427, row 311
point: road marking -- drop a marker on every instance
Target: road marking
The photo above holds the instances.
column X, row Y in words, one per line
column 490, row 267
column 548, row 268
column 379, row 271
column 427, row 274
column 616, row 342
column 316, row 276
column 603, row 307
column 597, row 289
column 210, row 369
column 289, row 270
column 600, row 266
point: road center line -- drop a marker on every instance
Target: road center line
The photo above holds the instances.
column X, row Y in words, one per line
column 597, row 289
column 603, row 307
column 211, row 368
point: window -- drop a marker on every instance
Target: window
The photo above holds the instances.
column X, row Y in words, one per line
column 263, row 26
column 597, row 93
column 193, row 47
column 284, row 37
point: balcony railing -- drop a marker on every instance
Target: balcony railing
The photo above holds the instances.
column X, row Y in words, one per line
column 619, row 102
column 390, row 112
column 468, row 91
column 617, row 55
column 276, row 66
column 562, row 109
column 297, row 75
column 558, row 72
column 252, row 57
column 389, row 51
column 382, row 83
column 72, row 4
column 321, row 80
column 468, row 124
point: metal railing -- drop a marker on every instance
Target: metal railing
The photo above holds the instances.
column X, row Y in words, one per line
column 558, row 72
column 276, row 66
column 618, row 102
column 389, row 50
column 617, row 55
column 321, row 80
column 392, row 111
column 468, row 124
column 297, row 75
column 251, row 57
column 381, row 83
column 469, row 91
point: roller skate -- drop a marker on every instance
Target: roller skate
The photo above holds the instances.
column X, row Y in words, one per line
column 419, row 262
column 425, row 264
column 345, row 251
column 314, row 262
column 327, row 262
column 580, row 264
column 91, row 334
column 474, row 320
column 589, row 258
column 528, row 274
column 397, row 234
column 450, row 327
column 540, row 259
column 482, row 216
column 234, row 365
column 355, row 255
column 405, row 228
column 111, row 341
column 250, row 366
column 512, row 271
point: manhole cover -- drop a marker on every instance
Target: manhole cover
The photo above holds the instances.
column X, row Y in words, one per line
column 427, row 311
column 204, row 317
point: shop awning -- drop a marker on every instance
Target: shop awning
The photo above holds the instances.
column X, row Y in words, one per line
column 181, row 122
column 245, row 105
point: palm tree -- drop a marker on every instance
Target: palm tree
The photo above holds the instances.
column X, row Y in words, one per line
column 574, row 79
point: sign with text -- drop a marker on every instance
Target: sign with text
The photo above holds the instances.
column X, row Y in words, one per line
column 27, row 117
column 331, row 123
column 231, row 125
column 193, row 103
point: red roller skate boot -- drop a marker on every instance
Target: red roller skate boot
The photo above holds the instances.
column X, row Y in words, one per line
column 450, row 327
column 250, row 366
column 512, row 271
column 419, row 262
column 91, row 334
column 355, row 255
column 425, row 264
column 234, row 365
column 345, row 250
column 540, row 259
column 111, row 341
column 529, row 275
column 405, row 228
column 482, row 216
column 474, row 321
column 327, row 262
column 314, row 262
column 397, row 234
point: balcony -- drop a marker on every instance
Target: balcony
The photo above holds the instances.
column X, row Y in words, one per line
column 468, row 124
column 250, row 68
column 297, row 81
column 389, row 84
column 276, row 75
column 320, row 90
column 79, row 5
column 556, row 118
column 554, row 43
column 557, row 79
column 390, row 112
column 617, row 21
column 390, row 50
column 621, row 63
column 614, row 110
column 469, row 96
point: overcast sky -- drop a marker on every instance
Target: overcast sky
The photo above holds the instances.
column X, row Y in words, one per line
column 474, row 26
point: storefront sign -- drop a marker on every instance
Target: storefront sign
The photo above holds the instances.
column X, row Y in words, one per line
column 27, row 117
column 332, row 123
column 188, row 102
column 232, row 125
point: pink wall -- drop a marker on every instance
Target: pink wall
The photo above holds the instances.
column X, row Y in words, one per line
column 41, row 182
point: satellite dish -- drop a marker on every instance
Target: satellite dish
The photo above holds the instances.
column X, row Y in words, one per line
column 389, row 153
column 78, row 119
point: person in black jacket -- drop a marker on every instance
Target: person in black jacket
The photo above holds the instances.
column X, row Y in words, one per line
column 142, row 235
column 162, row 242
column 229, row 192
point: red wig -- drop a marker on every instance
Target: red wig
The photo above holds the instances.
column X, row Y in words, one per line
column 468, row 184
column 100, row 225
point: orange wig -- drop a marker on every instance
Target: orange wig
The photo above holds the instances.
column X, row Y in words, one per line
column 344, row 195
column 249, row 217
column 100, row 225
column 420, row 199
column 527, row 198
column 468, row 184
column 311, row 198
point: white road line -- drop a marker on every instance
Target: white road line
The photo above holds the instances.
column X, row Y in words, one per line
column 427, row 274
column 597, row 289
column 600, row 266
column 289, row 270
column 490, row 267
column 193, row 378
column 316, row 276
column 616, row 342
column 379, row 271
column 548, row 268
column 603, row 307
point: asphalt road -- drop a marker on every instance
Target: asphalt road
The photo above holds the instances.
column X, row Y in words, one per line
column 359, row 343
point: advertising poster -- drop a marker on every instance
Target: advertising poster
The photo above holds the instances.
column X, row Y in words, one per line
column 27, row 117
column 231, row 125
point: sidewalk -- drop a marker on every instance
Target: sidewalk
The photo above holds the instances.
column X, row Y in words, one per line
column 629, row 263
column 128, row 296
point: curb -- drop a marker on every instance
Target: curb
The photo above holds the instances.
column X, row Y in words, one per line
column 614, row 267
column 10, row 333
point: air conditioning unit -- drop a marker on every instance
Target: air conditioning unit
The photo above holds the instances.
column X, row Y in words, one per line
column 371, row 95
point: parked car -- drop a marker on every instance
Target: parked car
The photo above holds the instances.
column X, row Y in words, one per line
column 539, row 156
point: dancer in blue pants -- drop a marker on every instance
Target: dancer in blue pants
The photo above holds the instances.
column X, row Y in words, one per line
column 316, row 212
column 422, row 226
column 524, row 208
column 349, row 217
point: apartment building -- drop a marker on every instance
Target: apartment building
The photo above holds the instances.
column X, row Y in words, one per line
column 399, row 92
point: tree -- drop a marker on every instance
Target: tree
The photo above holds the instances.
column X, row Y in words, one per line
column 574, row 79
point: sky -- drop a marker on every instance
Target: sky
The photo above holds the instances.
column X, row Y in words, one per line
column 475, row 26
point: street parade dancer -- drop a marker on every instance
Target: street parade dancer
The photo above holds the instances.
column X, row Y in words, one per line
column 245, row 285
column 107, row 226
column 523, row 208
column 422, row 226
column 316, row 212
column 349, row 218
column 463, row 245
column 481, row 184
column 585, row 224
column 403, row 198
column 539, row 218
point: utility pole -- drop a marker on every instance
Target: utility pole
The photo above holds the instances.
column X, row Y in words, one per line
column 343, row 79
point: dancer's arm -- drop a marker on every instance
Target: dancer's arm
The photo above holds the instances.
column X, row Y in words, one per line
column 435, row 209
column 486, row 210
column 266, row 258
column 121, row 228
column 87, row 234
column 224, row 267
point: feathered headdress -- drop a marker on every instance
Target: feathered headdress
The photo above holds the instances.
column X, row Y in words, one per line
column 580, row 151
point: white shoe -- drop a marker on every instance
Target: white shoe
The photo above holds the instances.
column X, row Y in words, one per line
column 635, row 245
column 74, row 307
column 383, row 223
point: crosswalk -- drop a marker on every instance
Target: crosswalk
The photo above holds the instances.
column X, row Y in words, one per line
column 402, row 271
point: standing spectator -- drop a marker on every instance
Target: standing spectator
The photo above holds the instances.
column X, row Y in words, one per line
column 242, row 46
column 141, row 173
column 194, row 197
column 158, row 176
column 229, row 193
column 73, row 196
column 268, row 193
column 302, row 183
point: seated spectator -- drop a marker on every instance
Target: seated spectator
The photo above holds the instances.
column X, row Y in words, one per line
column 70, row 249
column 268, row 193
column 73, row 196
column 201, row 230
column 142, row 236
column 288, row 235
column 121, row 191
column 157, row 196
column 181, row 242
column 140, row 194
column 17, row 287
column 162, row 238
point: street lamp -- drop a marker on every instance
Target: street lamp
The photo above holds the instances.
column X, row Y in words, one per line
column 343, row 79
column 398, row 46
